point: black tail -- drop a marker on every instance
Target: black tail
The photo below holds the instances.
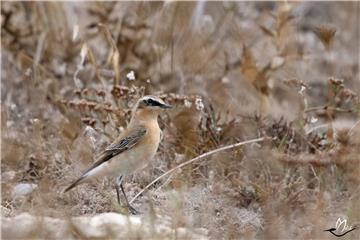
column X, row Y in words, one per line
column 74, row 184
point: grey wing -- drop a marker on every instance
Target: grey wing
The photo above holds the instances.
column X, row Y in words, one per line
column 128, row 142
column 119, row 146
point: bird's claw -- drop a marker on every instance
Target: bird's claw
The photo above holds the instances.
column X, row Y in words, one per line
column 132, row 210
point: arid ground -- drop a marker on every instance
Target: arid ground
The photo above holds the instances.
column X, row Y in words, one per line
column 284, row 73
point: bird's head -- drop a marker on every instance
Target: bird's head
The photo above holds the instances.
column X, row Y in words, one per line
column 149, row 106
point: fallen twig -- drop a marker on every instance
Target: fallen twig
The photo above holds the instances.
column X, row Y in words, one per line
column 353, row 127
column 317, row 127
column 316, row 160
column 325, row 108
column 196, row 159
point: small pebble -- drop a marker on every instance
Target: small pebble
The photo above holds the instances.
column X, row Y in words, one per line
column 23, row 189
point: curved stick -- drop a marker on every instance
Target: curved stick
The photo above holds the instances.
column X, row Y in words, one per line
column 196, row 159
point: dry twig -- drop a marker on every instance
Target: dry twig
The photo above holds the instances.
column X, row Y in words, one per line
column 196, row 159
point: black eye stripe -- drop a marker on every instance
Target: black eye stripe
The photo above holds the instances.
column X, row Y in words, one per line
column 151, row 102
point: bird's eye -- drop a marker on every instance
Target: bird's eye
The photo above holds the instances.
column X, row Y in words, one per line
column 149, row 102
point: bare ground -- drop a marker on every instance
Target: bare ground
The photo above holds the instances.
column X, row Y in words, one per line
column 234, row 71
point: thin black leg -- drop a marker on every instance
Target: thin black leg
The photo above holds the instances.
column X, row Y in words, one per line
column 123, row 191
column 118, row 183
column 117, row 193
column 131, row 209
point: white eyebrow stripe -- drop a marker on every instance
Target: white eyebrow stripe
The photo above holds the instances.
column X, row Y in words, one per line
column 149, row 97
column 154, row 99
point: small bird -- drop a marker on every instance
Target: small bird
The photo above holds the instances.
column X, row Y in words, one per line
column 132, row 150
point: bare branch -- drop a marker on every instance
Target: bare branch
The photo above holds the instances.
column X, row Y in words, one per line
column 197, row 159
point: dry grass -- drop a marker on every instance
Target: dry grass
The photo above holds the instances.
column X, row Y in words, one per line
column 235, row 71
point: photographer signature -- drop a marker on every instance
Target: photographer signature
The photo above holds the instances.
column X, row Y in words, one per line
column 345, row 229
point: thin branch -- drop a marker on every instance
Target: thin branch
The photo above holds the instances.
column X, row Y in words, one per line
column 317, row 127
column 328, row 108
column 196, row 159
column 353, row 127
column 317, row 160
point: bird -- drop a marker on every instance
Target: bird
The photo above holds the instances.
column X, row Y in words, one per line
column 132, row 149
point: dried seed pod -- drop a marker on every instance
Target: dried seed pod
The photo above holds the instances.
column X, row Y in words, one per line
column 89, row 121
column 325, row 34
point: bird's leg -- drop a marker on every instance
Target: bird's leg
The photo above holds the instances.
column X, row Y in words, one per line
column 131, row 209
column 120, row 185
column 117, row 193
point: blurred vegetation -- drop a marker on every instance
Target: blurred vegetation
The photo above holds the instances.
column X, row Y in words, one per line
column 71, row 72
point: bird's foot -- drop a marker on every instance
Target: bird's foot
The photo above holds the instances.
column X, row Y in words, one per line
column 133, row 211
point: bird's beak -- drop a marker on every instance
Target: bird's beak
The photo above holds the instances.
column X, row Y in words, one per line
column 165, row 106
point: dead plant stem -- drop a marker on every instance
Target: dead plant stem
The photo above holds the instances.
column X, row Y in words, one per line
column 202, row 156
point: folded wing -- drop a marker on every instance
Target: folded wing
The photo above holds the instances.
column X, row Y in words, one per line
column 122, row 144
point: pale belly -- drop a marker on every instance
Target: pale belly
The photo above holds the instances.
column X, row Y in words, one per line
column 127, row 162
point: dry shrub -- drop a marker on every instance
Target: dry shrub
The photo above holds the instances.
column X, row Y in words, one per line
column 233, row 71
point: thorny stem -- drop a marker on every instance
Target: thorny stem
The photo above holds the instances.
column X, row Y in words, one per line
column 196, row 159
